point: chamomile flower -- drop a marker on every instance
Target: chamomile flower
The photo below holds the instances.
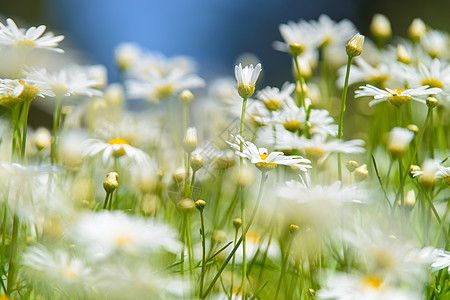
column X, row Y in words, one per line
column 28, row 39
column 58, row 269
column 442, row 261
column 246, row 79
column 108, row 233
column 71, row 80
column 395, row 97
column 432, row 170
column 369, row 287
column 23, row 90
column 115, row 149
column 273, row 98
column 162, row 88
column 435, row 74
column 299, row 37
column 264, row 160
column 332, row 32
column 436, row 43
column 399, row 139
column 362, row 71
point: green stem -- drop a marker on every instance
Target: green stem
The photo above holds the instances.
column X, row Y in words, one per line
column 341, row 114
column 172, row 128
column 430, row 135
column 24, row 120
column 111, row 200
column 192, row 184
column 187, row 175
column 402, row 200
column 227, row 260
column 12, row 257
column 202, row 275
column 189, row 245
column 241, row 164
column 56, row 117
column 105, row 204
column 283, row 267
column 433, row 208
column 300, row 80
column 233, row 263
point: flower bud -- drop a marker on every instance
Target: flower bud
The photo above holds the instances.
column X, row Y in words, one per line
column 355, row 46
column 381, row 27
column 403, row 55
column 417, row 29
column 399, row 139
column 296, row 49
column 246, row 176
column 111, row 184
column 237, row 223
column 186, row 96
column 410, row 199
column 114, row 94
column 413, row 128
column 351, row 165
column 178, row 175
column 200, row 204
column 432, row 102
column 186, row 205
column 42, row 138
column 190, row 141
column 226, row 160
column 293, row 229
column 196, row 161
column 361, row 173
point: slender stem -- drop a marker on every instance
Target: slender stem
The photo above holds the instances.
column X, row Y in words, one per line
column 189, row 245
column 341, row 114
column 192, row 184
column 300, row 80
column 5, row 218
column 233, row 262
column 24, row 119
column 187, row 176
column 202, row 276
column 12, row 256
column 283, row 267
column 110, row 200
column 16, row 132
column 402, row 200
column 421, row 133
column 183, row 242
column 172, row 128
column 433, row 208
column 185, row 116
column 56, row 117
column 227, row 260
column 241, row 164
column 105, row 204
column 431, row 137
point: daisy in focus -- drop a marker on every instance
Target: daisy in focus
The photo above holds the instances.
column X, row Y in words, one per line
column 246, row 79
column 11, row 35
column 395, row 97
column 264, row 160
column 115, row 149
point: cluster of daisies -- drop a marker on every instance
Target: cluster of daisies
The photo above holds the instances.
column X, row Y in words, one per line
column 334, row 185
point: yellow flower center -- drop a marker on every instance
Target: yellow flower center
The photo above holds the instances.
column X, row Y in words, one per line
column 118, row 141
column 371, row 282
column 315, row 152
column 25, row 44
column 253, row 237
column 68, row 273
column 432, row 83
column 397, row 99
column 273, row 104
column 9, row 101
column 263, row 166
column 292, row 126
column 164, row 91
column 123, row 240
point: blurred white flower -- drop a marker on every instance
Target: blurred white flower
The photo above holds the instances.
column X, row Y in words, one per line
column 436, row 43
column 106, row 233
column 28, row 39
column 442, row 261
column 115, row 149
column 331, row 32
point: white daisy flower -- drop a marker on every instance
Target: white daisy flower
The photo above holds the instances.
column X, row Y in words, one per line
column 161, row 88
column 24, row 89
column 115, row 149
column 436, row 74
column 332, row 32
column 398, row 142
column 432, row 170
column 28, row 39
column 246, row 79
column 106, row 233
column 395, row 97
column 72, row 80
column 264, row 160
column 318, row 147
column 298, row 37
column 127, row 55
column 368, row 287
column 58, row 269
column 436, row 43
column 442, row 261
column 362, row 71
column 273, row 98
